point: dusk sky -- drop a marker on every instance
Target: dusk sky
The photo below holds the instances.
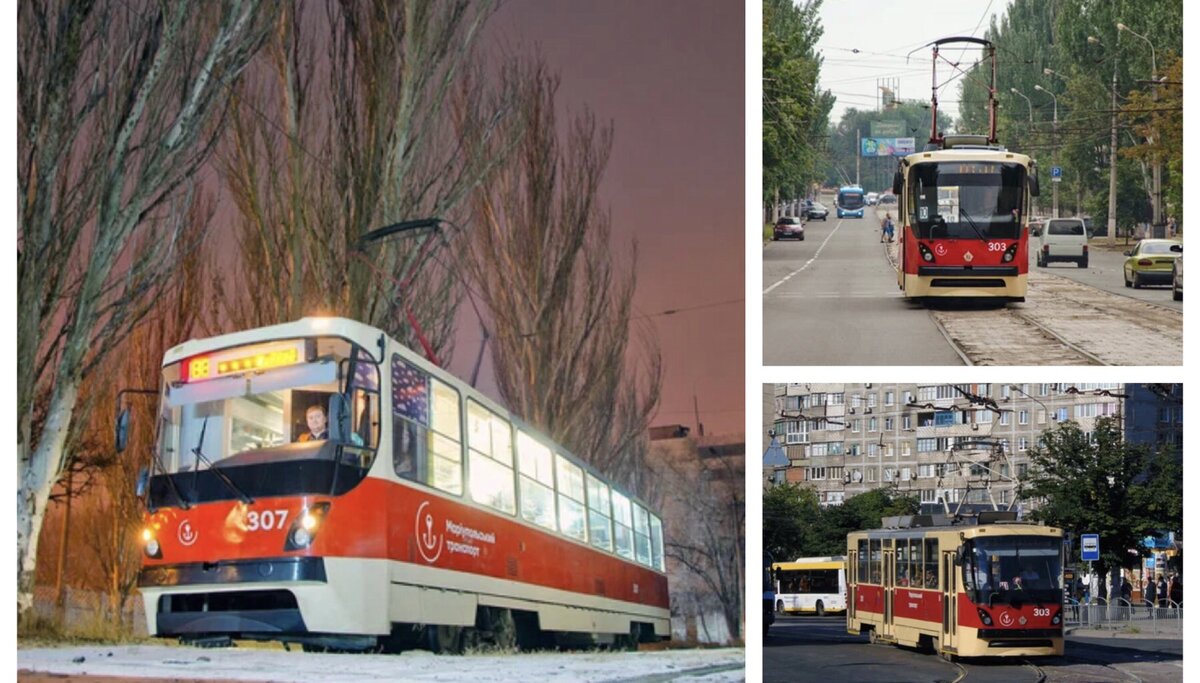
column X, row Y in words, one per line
column 670, row 78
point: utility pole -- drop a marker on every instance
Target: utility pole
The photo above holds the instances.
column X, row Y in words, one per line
column 1156, row 189
column 1112, row 154
column 857, row 155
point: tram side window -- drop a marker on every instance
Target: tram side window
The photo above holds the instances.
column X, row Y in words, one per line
column 641, row 533
column 623, row 525
column 489, row 442
column 916, row 560
column 876, row 563
column 864, row 572
column 902, row 574
column 599, row 513
column 931, row 563
column 656, row 544
column 570, row 499
column 537, row 481
column 426, row 432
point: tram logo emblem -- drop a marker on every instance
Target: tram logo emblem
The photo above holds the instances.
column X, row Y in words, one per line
column 429, row 542
column 968, row 257
column 1006, row 619
column 939, row 249
column 187, row 535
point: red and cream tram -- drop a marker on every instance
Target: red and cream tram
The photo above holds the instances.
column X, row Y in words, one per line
column 984, row 586
column 425, row 516
column 964, row 205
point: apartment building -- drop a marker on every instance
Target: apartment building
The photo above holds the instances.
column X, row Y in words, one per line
column 941, row 443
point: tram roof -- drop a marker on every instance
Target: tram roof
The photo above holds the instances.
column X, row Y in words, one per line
column 967, row 154
column 980, row 524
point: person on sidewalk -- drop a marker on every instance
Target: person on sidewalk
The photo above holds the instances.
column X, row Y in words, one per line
column 888, row 229
column 1149, row 593
column 1163, row 595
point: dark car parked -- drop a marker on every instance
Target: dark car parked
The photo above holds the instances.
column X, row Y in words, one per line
column 788, row 226
column 817, row 210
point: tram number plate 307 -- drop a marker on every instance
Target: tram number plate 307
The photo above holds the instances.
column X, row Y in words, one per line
column 265, row 520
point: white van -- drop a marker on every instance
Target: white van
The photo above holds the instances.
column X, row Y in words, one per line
column 1063, row 239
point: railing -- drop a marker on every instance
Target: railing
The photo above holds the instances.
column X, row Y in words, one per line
column 1164, row 618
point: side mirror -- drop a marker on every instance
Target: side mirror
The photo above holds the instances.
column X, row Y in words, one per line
column 1034, row 189
column 1128, row 253
column 143, row 481
column 1177, row 248
column 960, row 556
column 122, row 430
column 897, row 183
column 339, row 419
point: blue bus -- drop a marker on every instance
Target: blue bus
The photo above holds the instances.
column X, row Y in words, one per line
column 850, row 202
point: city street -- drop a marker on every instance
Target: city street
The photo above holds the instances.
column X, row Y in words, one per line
column 809, row 648
column 1104, row 272
column 832, row 300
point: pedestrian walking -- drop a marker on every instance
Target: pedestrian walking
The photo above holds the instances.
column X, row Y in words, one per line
column 1163, row 595
column 1177, row 590
column 1150, row 592
column 1127, row 593
column 1172, row 227
column 887, row 228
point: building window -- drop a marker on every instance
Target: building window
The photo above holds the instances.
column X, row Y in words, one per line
column 872, row 450
column 1022, row 470
column 871, row 400
column 873, row 425
column 1061, row 415
column 906, row 449
column 928, row 496
column 1004, row 418
column 1043, row 390
column 871, row 474
column 889, row 398
column 983, row 417
column 836, row 399
column 927, row 445
column 1023, row 417
column 856, row 426
column 889, row 423
column 906, row 421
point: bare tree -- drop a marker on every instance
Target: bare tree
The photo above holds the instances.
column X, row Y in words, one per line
column 119, row 104
column 347, row 126
column 704, row 517
column 540, row 260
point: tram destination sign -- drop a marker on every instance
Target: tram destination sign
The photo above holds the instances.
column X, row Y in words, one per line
column 1089, row 547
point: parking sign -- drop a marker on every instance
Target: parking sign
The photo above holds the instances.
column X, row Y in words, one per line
column 1089, row 546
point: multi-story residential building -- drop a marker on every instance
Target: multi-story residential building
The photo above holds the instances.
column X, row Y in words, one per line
column 942, row 443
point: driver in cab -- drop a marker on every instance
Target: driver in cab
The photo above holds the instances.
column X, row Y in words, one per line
column 318, row 426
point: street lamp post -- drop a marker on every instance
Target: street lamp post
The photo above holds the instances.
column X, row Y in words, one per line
column 1112, row 151
column 1157, row 181
column 1054, row 194
column 1030, row 103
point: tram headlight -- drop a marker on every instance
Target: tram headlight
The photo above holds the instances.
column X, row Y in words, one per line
column 304, row 529
column 1057, row 618
column 1010, row 253
column 150, row 544
column 926, row 254
column 984, row 616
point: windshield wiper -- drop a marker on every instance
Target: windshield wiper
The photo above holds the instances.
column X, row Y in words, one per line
column 215, row 470
column 974, row 227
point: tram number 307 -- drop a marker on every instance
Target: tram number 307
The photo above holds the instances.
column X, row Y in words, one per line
column 266, row 520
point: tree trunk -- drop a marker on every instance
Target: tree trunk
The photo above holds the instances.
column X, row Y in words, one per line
column 59, row 583
column 37, row 479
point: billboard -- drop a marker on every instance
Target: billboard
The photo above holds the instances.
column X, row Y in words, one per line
column 888, row 147
column 887, row 129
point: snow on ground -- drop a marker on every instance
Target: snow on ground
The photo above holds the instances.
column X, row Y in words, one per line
column 158, row 661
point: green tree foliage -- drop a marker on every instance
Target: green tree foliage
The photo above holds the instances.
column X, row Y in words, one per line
column 877, row 172
column 1034, row 35
column 1104, row 485
column 797, row 526
column 795, row 112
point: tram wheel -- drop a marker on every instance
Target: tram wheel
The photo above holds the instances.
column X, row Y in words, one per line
column 502, row 626
column 445, row 639
column 872, row 636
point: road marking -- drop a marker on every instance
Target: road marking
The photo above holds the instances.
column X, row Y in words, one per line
column 806, row 263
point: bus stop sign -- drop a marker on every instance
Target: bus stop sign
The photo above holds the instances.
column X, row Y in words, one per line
column 1089, row 546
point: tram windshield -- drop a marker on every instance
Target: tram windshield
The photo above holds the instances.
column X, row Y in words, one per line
column 1013, row 569
column 261, row 407
column 967, row 200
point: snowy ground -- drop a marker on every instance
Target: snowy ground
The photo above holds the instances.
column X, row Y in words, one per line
column 164, row 662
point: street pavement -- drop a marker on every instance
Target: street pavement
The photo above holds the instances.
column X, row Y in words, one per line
column 1105, row 271
column 818, row 649
column 832, row 300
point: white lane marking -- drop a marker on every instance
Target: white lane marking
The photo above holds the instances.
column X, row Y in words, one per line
column 806, row 263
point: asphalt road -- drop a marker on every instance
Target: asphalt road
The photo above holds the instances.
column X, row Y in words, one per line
column 1105, row 271
column 818, row 649
column 832, row 300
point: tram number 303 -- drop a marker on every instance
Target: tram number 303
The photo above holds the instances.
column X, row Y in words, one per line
column 997, row 246
column 1041, row 611
column 265, row 520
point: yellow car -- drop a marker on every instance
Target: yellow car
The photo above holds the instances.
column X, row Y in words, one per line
column 1150, row 262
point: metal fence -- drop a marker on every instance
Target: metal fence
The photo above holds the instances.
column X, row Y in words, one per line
column 1165, row 619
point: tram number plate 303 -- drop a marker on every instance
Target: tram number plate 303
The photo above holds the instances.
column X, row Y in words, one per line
column 997, row 246
column 265, row 520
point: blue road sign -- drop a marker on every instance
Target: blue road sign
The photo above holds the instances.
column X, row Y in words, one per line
column 1056, row 171
column 1150, row 562
column 1089, row 547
